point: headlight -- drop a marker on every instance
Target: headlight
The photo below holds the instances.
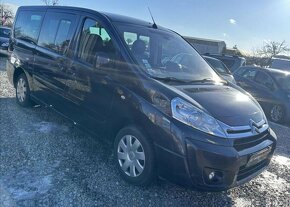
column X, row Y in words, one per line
column 5, row 44
column 194, row 117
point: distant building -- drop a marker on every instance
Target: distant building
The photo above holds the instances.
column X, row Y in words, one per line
column 207, row 45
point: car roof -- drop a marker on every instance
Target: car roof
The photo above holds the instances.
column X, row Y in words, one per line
column 216, row 55
column 208, row 57
column 110, row 16
column 270, row 70
column 274, row 70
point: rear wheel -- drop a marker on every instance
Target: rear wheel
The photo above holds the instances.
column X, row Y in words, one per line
column 134, row 156
column 22, row 91
column 277, row 113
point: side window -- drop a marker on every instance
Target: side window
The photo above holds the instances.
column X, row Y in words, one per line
column 95, row 40
column 28, row 25
column 250, row 74
column 63, row 36
column 240, row 71
column 228, row 62
column 56, row 31
column 265, row 80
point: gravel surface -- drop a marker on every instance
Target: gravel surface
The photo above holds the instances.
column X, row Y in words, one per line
column 46, row 161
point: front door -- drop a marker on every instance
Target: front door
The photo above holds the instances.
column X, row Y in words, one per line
column 247, row 81
column 90, row 76
column 266, row 90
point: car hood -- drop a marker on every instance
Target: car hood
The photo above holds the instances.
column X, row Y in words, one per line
column 225, row 103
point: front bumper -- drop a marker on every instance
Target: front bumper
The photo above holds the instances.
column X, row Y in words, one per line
column 228, row 162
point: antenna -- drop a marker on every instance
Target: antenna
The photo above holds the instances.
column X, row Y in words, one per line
column 154, row 24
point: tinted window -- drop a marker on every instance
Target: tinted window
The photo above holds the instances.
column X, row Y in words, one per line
column 240, row 71
column 56, row 31
column 28, row 25
column 218, row 66
column 265, row 80
column 228, row 62
column 4, row 32
column 94, row 40
column 63, row 36
column 156, row 52
column 283, row 80
column 250, row 74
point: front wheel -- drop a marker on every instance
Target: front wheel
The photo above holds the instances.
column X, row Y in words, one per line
column 134, row 156
column 277, row 113
column 22, row 91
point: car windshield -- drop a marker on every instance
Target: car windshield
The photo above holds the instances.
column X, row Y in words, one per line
column 218, row 66
column 164, row 54
column 283, row 79
column 4, row 32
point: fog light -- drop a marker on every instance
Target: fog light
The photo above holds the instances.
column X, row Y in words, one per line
column 211, row 175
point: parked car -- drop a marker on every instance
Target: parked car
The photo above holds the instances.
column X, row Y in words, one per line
column 184, row 61
column 279, row 63
column 185, row 125
column 271, row 88
column 4, row 40
column 220, row 68
column 233, row 62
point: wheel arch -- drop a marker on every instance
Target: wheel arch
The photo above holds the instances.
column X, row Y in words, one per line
column 17, row 72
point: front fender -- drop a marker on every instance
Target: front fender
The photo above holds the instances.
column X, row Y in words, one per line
column 130, row 108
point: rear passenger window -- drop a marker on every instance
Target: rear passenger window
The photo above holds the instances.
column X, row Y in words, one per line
column 94, row 40
column 250, row 74
column 265, row 80
column 57, row 31
column 28, row 25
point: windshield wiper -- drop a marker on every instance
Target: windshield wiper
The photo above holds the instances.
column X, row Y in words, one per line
column 206, row 80
column 173, row 79
column 168, row 79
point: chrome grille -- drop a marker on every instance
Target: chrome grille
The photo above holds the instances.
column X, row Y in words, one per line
column 252, row 129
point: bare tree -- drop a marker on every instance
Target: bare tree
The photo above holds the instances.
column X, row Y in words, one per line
column 51, row 2
column 263, row 56
column 271, row 49
column 7, row 15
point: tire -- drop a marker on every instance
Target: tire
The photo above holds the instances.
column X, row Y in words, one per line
column 22, row 91
column 277, row 113
column 136, row 161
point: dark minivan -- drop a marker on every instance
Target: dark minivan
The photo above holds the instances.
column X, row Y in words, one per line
column 112, row 75
column 270, row 87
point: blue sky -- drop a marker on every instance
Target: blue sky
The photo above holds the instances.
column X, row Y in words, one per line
column 245, row 23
